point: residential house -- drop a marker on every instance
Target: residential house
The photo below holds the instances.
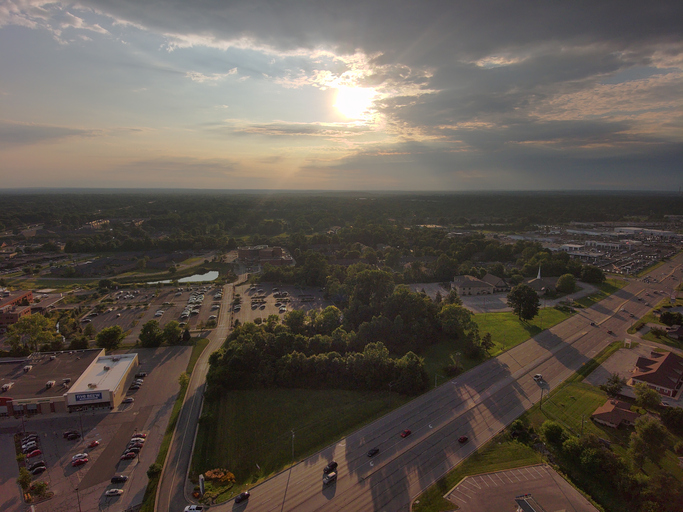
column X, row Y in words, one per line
column 615, row 413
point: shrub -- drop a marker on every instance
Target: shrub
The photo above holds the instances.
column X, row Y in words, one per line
column 153, row 470
column 219, row 475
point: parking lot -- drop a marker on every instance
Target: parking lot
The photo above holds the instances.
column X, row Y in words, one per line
column 261, row 301
column 149, row 414
column 498, row 490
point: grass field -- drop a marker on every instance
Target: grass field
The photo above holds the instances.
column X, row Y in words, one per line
column 506, row 331
column 605, row 289
column 251, row 427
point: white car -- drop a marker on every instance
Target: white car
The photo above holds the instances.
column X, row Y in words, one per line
column 193, row 508
column 80, row 456
column 128, row 400
column 114, row 492
column 538, row 377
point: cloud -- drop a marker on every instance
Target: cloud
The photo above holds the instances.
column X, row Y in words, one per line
column 201, row 78
column 23, row 134
column 300, row 129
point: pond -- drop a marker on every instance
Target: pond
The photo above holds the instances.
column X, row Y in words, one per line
column 196, row 278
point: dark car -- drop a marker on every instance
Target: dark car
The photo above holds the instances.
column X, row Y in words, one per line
column 134, row 387
column 463, row 439
column 593, row 324
column 330, row 467
column 133, row 449
column 128, row 455
column 38, row 470
column 141, row 375
column 73, row 436
column 119, row 479
column 406, row 433
column 610, row 332
column 242, row 496
column 373, row 452
column 37, row 465
column 67, row 433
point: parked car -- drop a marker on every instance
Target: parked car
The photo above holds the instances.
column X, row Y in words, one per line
column 330, row 467
column 119, row 479
column 139, row 435
column 406, row 433
column 34, row 453
column 610, row 332
column 80, row 456
column 133, row 449
column 38, row 470
column 141, row 375
column 79, row 462
column 128, row 456
column 73, row 436
column 134, row 387
column 37, row 465
column 538, row 377
column 373, row 451
column 128, row 400
column 29, row 447
column 114, row 492
column 463, row 439
column 193, row 508
column 94, row 444
column 242, row 497
column 31, row 437
column 330, row 478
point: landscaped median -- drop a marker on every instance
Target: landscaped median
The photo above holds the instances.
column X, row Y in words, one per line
column 154, row 471
column 605, row 289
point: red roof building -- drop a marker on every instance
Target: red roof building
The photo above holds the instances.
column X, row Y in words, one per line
column 615, row 413
column 662, row 372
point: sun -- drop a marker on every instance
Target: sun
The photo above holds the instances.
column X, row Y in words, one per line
column 353, row 102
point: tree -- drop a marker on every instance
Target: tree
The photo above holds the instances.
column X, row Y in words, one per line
column 672, row 417
column 614, row 384
column 78, row 343
column 172, row 334
column 553, row 433
column 646, row 397
column 649, row 441
column 524, row 301
column 89, row 330
column 150, row 335
column 32, row 331
column 566, row 283
column 592, row 274
column 487, row 342
column 24, row 479
column 671, row 318
column 110, row 338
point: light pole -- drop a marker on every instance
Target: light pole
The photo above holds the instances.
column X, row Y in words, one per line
column 541, row 404
column 292, row 446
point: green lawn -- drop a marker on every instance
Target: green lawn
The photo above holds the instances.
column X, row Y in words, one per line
column 508, row 331
column 498, row 454
column 604, row 290
column 649, row 269
column 250, row 427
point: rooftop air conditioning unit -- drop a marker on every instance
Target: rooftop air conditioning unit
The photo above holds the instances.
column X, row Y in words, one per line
column 92, row 385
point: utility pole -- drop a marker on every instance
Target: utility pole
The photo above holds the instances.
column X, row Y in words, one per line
column 292, row 445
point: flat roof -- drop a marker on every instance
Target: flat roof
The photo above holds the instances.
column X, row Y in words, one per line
column 493, row 492
column 104, row 373
column 31, row 385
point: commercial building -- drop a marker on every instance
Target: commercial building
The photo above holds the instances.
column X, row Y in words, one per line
column 13, row 306
column 662, row 372
column 59, row 382
column 468, row 285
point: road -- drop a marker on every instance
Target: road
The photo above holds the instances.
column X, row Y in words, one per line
column 478, row 404
column 170, row 493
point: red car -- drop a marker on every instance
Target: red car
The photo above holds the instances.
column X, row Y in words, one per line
column 34, row 453
column 94, row 444
column 128, row 456
column 79, row 462
column 139, row 435
column 463, row 439
column 406, row 433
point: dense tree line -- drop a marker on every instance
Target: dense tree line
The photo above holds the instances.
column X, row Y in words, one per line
column 374, row 341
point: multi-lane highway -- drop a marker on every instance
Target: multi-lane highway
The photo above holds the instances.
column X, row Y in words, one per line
column 477, row 404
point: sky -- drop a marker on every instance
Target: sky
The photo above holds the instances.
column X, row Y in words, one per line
column 342, row 94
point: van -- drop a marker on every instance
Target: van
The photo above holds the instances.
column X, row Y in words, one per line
column 329, row 478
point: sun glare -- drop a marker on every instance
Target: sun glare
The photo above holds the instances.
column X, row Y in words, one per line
column 353, row 102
